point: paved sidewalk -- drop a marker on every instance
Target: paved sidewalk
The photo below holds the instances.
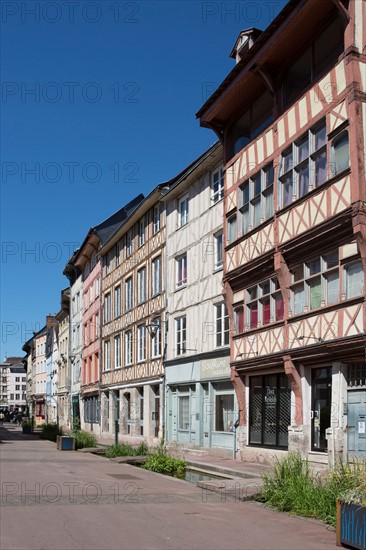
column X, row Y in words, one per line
column 53, row 500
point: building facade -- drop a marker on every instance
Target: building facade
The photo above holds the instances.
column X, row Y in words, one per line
column 63, row 375
column 292, row 118
column 133, row 321
column 200, row 401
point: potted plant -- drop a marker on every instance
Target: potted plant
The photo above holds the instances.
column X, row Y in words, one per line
column 351, row 513
column 27, row 427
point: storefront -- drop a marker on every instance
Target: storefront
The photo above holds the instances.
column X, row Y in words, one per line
column 201, row 405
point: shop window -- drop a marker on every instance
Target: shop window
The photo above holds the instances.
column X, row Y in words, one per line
column 183, row 412
column 224, row 413
column 269, row 410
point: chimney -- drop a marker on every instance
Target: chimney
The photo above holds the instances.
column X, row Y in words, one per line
column 244, row 42
column 50, row 321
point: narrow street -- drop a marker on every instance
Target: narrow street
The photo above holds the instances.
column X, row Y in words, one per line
column 71, row 500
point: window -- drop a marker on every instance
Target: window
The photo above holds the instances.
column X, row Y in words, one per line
column 156, row 276
column 117, row 301
column 322, row 53
column 17, row 387
column 129, row 243
column 141, row 285
column 12, row 396
column 303, row 165
column 315, row 283
column 217, row 185
column 224, row 413
column 181, row 335
column 256, row 199
column 156, row 219
column 238, row 319
column 264, row 304
column 128, row 289
column 269, row 410
column 17, row 396
column 141, row 343
column 183, row 412
column 231, row 229
column 142, row 227
column 183, row 211
column 254, row 120
column 17, row 379
column 354, row 279
column 107, row 307
column 181, row 266
column 221, row 326
column 156, row 337
column 107, row 263
column 23, row 378
column 339, row 153
column 117, row 352
column 117, row 251
column 128, row 347
column 219, row 249
column 107, row 355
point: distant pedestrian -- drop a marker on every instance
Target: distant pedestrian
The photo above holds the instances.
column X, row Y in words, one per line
column 1, row 417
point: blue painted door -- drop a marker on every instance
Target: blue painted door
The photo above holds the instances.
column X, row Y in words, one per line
column 357, row 424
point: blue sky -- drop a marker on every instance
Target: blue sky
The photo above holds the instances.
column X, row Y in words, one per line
column 98, row 104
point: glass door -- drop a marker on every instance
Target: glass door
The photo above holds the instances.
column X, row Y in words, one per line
column 321, row 386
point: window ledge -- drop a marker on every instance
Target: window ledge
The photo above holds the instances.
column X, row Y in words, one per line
column 177, row 289
column 218, row 269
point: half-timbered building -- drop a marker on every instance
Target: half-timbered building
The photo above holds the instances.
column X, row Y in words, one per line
column 200, row 398
column 292, row 117
column 133, row 340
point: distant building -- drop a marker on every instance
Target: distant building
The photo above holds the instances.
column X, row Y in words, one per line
column 13, row 384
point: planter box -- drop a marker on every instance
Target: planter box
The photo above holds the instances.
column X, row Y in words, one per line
column 351, row 525
column 65, row 443
column 27, row 429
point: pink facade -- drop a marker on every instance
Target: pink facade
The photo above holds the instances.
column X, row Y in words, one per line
column 91, row 328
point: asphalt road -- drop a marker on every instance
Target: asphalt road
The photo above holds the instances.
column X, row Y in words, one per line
column 70, row 500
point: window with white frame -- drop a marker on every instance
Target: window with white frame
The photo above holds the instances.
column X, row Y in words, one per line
column 231, row 229
column 107, row 355
column 183, row 211
column 339, row 153
column 264, row 303
column 156, row 275
column 256, row 199
column 303, row 165
column 219, row 249
column 142, row 227
column 117, row 251
column 141, row 343
column 183, row 412
column 181, row 271
column 156, row 219
column 107, row 307
column 181, row 335
column 117, row 301
column 221, row 325
column 217, row 185
column 128, row 347
column 128, row 293
column 239, row 319
column 353, row 279
column 129, row 241
column 315, row 283
column 141, row 285
column 107, row 263
column 156, row 337
column 224, row 413
column 117, row 351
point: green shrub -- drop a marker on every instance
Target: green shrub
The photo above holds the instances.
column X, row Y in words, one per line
column 126, row 450
column 167, row 465
column 84, row 439
column 50, row 432
column 292, row 487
